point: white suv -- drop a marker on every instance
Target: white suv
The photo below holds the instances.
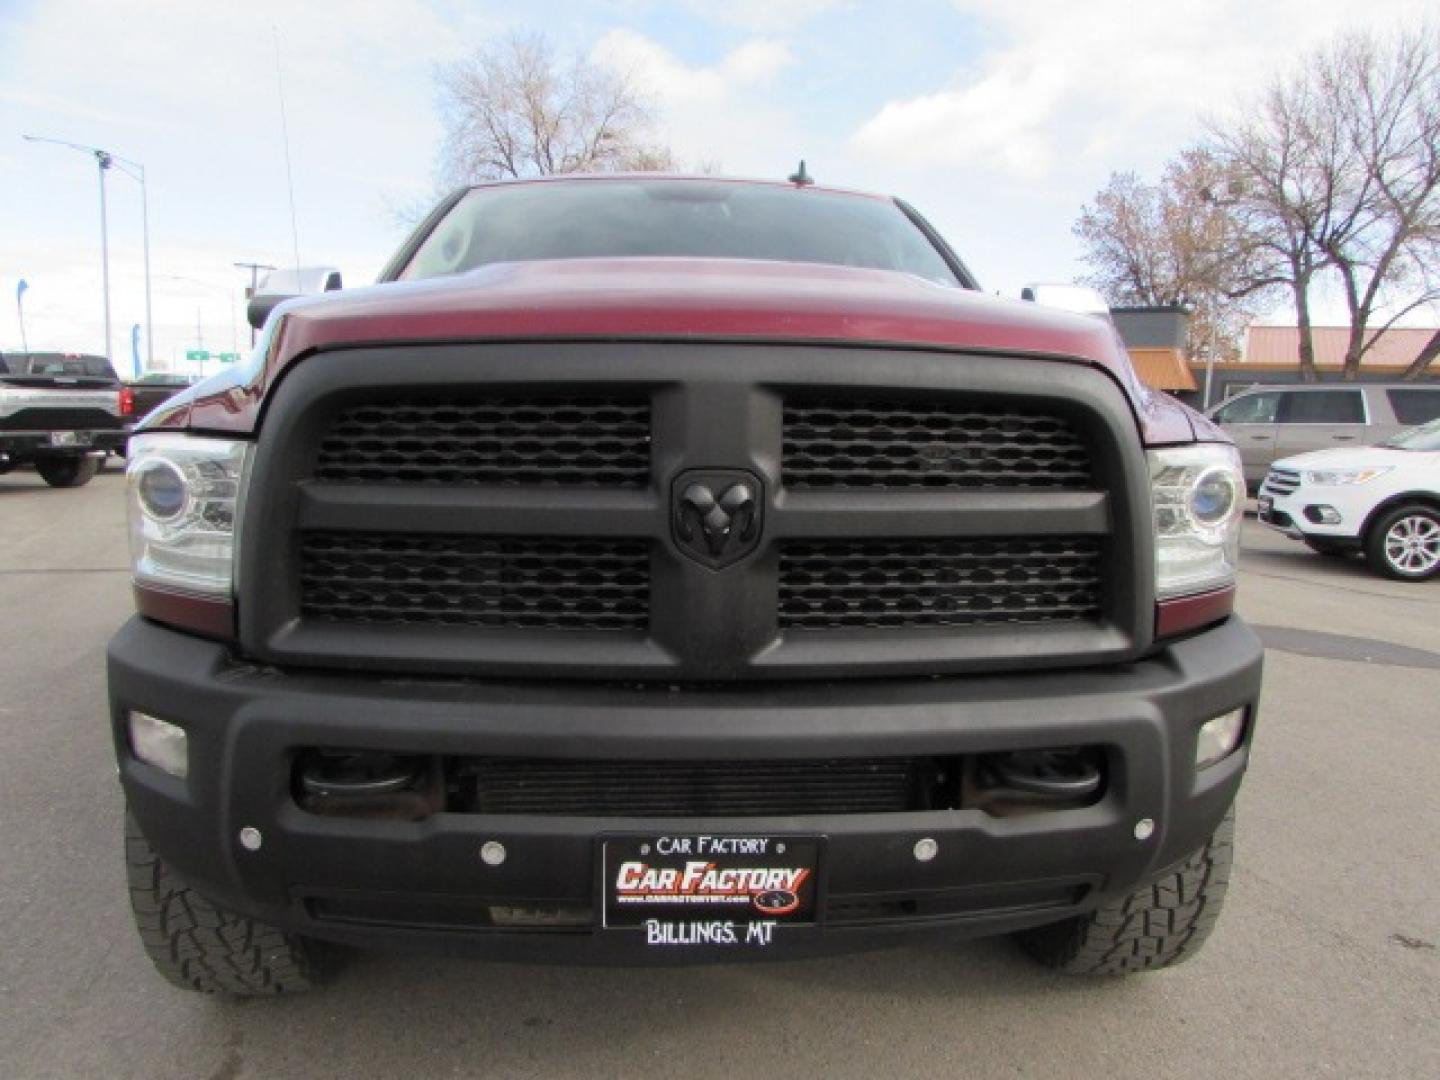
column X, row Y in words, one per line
column 1382, row 500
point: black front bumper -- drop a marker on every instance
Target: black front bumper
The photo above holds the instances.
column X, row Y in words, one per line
column 414, row 882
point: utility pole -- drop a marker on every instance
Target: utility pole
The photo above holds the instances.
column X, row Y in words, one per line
column 254, row 269
column 1214, row 345
column 145, row 227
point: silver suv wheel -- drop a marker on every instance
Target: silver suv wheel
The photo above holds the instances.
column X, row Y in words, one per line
column 1405, row 543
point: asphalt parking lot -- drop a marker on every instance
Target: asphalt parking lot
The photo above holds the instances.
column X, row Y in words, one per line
column 1325, row 962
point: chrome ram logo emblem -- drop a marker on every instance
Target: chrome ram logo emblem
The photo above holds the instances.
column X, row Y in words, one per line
column 716, row 515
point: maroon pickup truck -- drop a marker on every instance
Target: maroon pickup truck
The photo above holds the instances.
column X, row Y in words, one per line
column 670, row 569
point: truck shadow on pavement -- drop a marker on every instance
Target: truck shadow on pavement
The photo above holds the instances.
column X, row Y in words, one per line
column 555, row 1020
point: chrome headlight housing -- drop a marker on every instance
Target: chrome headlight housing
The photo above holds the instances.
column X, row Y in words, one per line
column 182, row 497
column 1343, row 477
column 1198, row 495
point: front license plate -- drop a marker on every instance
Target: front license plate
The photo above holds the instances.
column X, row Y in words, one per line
column 700, row 889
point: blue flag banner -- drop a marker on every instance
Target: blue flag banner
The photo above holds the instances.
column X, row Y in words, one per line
column 135, row 348
column 20, row 310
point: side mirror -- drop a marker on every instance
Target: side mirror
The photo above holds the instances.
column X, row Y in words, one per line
column 1074, row 298
column 259, row 309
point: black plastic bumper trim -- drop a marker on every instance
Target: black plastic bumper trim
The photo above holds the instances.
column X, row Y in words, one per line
column 245, row 721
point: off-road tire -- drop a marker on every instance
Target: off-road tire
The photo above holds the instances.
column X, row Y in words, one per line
column 67, row 472
column 202, row 947
column 1162, row 924
column 1376, row 541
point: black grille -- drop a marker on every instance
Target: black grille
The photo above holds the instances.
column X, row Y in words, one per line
column 572, row 441
column 532, row 583
column 703, row 789
column 1283, row 481
column 60, row 420
column 877, row 584
column 861, row 442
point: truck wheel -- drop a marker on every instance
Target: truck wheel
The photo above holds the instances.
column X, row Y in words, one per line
column 67, row 472
column 1405, row 543
column 1154, row 927
column 199, row 946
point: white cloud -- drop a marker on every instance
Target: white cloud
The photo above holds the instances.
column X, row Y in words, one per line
column 1107, row 80
column 1055, row 95
column 712, row 111
column 190, row 90
column 763, row 16
column 678, row 84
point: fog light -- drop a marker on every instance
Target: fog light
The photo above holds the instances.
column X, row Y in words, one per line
column 1219, row 737
column 160, row 743
column 1322, row 515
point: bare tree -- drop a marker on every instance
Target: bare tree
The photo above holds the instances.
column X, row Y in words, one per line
column 1284, row 197
column 518, row 109
column 1336, row 170
column 1424, row 358
column 1174, row 242
column 1387, row 105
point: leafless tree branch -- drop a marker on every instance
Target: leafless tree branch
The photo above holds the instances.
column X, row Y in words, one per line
column 516, row 109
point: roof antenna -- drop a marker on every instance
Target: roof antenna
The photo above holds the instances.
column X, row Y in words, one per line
column 801, row 178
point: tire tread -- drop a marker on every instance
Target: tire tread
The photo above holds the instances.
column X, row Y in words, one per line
column 1156, row 926
column 197, row 945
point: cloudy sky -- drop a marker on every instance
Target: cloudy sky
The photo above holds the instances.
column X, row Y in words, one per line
column 998, row 120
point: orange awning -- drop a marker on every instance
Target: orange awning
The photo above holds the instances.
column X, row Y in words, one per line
column 1163, row 369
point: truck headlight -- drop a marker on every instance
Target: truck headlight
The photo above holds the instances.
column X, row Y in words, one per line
column 1341, row 477
column 183, row 492
column 1198, row 494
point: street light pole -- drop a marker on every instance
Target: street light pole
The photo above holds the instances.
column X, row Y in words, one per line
column 136, row 171
column 104, row 161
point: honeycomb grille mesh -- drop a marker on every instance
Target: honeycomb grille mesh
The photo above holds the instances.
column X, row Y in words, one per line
column 850, row 442
column 698, row 788
column 524, row 583
column 881, row 584
column 511, row 440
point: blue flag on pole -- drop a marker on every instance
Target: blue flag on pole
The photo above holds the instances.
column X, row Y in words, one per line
column 20, row 310
column 135, row 349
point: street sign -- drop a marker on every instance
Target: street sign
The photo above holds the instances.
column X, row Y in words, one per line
column 227, row 357
column 197, row 356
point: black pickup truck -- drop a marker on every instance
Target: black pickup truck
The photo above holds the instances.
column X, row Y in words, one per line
column 667, row 569
column 62, row 413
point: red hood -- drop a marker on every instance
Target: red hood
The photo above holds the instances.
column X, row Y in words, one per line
column 679, row 299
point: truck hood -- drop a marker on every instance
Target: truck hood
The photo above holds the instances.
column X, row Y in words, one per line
column 675, row 300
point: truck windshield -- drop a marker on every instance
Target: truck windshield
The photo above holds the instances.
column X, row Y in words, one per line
column 1426, row 438
column 688, row 218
